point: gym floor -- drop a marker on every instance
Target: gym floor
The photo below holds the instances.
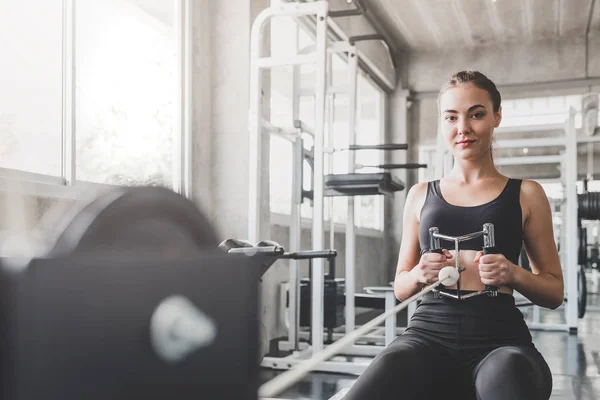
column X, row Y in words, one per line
column 573, row 359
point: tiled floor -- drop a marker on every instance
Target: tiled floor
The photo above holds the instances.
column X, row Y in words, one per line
column 573, row 359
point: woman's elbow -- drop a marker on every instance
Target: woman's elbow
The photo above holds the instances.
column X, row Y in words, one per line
column 556, row 302
column 558, row 298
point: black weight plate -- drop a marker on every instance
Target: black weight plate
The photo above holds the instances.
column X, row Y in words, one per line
column 133, row 220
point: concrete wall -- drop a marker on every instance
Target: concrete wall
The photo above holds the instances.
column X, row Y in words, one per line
column 509, row 64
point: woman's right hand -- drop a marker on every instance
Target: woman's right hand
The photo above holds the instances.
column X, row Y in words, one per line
column 427, row 270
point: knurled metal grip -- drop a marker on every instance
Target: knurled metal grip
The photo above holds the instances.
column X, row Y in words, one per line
column 489, row 247
column 434, row 242
column 489, row 240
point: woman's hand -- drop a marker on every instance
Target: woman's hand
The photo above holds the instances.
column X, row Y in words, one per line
column 427, row 270
column 495, row 269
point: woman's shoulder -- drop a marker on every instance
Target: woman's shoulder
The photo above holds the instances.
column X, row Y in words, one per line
column 417, row 190
column 416, row 194
column 531, row 189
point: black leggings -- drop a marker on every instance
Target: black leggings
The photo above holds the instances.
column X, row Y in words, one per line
column 479, row 348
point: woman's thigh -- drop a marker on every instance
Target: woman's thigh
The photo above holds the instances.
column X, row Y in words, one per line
column 409, row 368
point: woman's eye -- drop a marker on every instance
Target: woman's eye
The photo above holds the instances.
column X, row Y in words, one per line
column 478, row 115
column 450, row 118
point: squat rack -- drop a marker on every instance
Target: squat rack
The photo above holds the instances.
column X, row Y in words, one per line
column 317, row 55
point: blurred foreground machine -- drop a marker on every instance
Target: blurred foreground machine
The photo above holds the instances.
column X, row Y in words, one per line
column 134, row 301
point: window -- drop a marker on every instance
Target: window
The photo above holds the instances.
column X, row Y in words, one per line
column 540, row 110
column 126, row 79
column 127, row 76
column 31, row 82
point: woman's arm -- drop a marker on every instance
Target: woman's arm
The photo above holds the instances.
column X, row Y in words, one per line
column 544, row 285
column 406, row 285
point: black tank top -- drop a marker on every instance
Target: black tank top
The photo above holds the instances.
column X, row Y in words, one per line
column 504, row 212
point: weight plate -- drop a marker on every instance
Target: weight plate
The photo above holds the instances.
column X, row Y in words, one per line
column 581, row 292
column 139, row 219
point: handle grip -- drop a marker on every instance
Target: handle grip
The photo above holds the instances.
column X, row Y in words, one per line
column 490, row 250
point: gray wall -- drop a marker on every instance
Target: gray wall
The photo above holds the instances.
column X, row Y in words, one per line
column 509, row 64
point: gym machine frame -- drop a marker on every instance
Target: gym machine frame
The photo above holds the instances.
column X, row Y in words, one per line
column 257, row 124
column 568, row 162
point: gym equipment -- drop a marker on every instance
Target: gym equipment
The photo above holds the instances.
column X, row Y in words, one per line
column 582, row 292
column 447, row 276
column 365, row 184
column 149, row 219
column 146, row 311
column 589, row 205
column 489, row 247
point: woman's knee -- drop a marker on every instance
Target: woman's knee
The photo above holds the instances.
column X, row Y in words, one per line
column 511, row 357
column 513, row 371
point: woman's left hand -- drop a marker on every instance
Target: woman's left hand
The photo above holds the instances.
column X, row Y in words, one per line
column 494, row 269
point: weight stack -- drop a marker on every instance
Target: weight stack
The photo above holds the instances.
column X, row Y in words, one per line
column 333, row 304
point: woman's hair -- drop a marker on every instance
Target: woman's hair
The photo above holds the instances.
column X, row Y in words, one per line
column 479, row 80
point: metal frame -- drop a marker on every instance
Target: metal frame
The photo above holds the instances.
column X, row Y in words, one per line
column 257, row 64
column 66, row 185
column 320, row 56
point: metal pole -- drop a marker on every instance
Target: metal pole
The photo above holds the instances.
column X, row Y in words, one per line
column 317, row 228
column 295, row 242
column 68, row 94
column 255, row 125
column 350, row 224
column 330, row 143
column 572, row 242
column 296, row 213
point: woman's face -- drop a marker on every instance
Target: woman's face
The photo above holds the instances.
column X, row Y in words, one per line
column 468, row 121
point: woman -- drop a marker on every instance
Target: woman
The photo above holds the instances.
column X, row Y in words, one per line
column 478, row 347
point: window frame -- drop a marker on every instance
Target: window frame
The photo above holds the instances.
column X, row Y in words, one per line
column 67, row 186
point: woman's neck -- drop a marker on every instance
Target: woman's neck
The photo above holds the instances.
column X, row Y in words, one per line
column 468, row 171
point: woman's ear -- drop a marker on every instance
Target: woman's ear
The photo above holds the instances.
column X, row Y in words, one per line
column 498, row 117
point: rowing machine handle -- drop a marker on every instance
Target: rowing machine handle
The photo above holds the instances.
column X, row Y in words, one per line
column 490, row 250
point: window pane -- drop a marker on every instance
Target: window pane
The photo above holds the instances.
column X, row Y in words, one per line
column 126, row 78
column 540, row 110
column 31, row 82
column 339, row 70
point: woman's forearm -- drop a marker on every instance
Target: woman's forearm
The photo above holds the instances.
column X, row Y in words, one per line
column 544, row 290
column 405, row 285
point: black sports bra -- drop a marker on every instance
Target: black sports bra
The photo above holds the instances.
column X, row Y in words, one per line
column 504, row 212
